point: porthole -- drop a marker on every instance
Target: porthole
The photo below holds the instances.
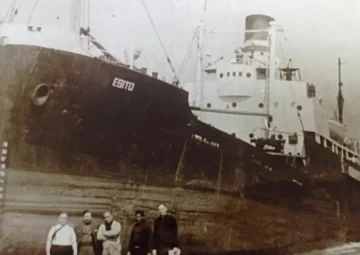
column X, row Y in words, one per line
column 261, row 105
column 40, row 94
column 299, row 107
column 248, row 75
column 208, row 105
column 234, row 104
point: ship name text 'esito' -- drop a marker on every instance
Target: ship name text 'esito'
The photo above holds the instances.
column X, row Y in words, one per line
column 123, row 84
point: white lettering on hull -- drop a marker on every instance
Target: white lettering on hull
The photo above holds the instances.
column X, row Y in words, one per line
column 123, row 84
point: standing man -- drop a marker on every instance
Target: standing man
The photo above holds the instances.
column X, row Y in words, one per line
column 61, row 239
column 166, row 239
column 139, row 243
column 109, row 234
column 86, row 235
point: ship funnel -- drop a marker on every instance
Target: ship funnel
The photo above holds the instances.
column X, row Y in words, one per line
column 255, row 39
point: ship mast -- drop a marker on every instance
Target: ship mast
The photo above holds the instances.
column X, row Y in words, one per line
column 75, row 15
column 340, row 98
column 271, row 73
column 199, row 73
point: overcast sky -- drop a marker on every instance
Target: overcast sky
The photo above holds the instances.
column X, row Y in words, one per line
column 317, row 32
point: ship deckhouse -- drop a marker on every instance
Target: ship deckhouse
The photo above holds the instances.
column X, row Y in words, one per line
column 268, row 106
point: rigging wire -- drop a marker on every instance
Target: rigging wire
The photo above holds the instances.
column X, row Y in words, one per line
column 81, row 13
column 162, row 45
column 21, row 3
column 188, row 71
column 12, row 15
column 8, row 12
column 32, row 11
column 88, row 13
column 12, row 12
column 88, row 20
column 76, row 15
column 187, row 55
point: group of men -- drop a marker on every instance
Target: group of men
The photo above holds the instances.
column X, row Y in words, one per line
column 87, row 238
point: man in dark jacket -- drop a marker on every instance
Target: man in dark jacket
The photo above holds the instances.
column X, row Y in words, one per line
column 139, row 243
column 165, row 237
column 86, row 235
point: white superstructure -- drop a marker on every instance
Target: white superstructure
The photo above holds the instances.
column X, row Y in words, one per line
column 247, row 83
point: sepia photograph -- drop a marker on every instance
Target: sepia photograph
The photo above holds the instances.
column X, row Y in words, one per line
column 179, row 127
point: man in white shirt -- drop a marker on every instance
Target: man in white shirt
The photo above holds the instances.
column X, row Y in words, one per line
column 109, row 234
column 61, row 239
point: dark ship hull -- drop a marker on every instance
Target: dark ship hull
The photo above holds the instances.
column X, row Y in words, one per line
column 75, row 141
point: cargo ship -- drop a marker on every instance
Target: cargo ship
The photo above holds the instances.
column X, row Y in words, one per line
column 251, row 163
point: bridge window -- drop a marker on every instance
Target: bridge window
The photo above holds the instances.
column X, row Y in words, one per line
column 240, row 74
column 234, row 74
column 221, row 75
column 228, row 74
column 311, row 90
